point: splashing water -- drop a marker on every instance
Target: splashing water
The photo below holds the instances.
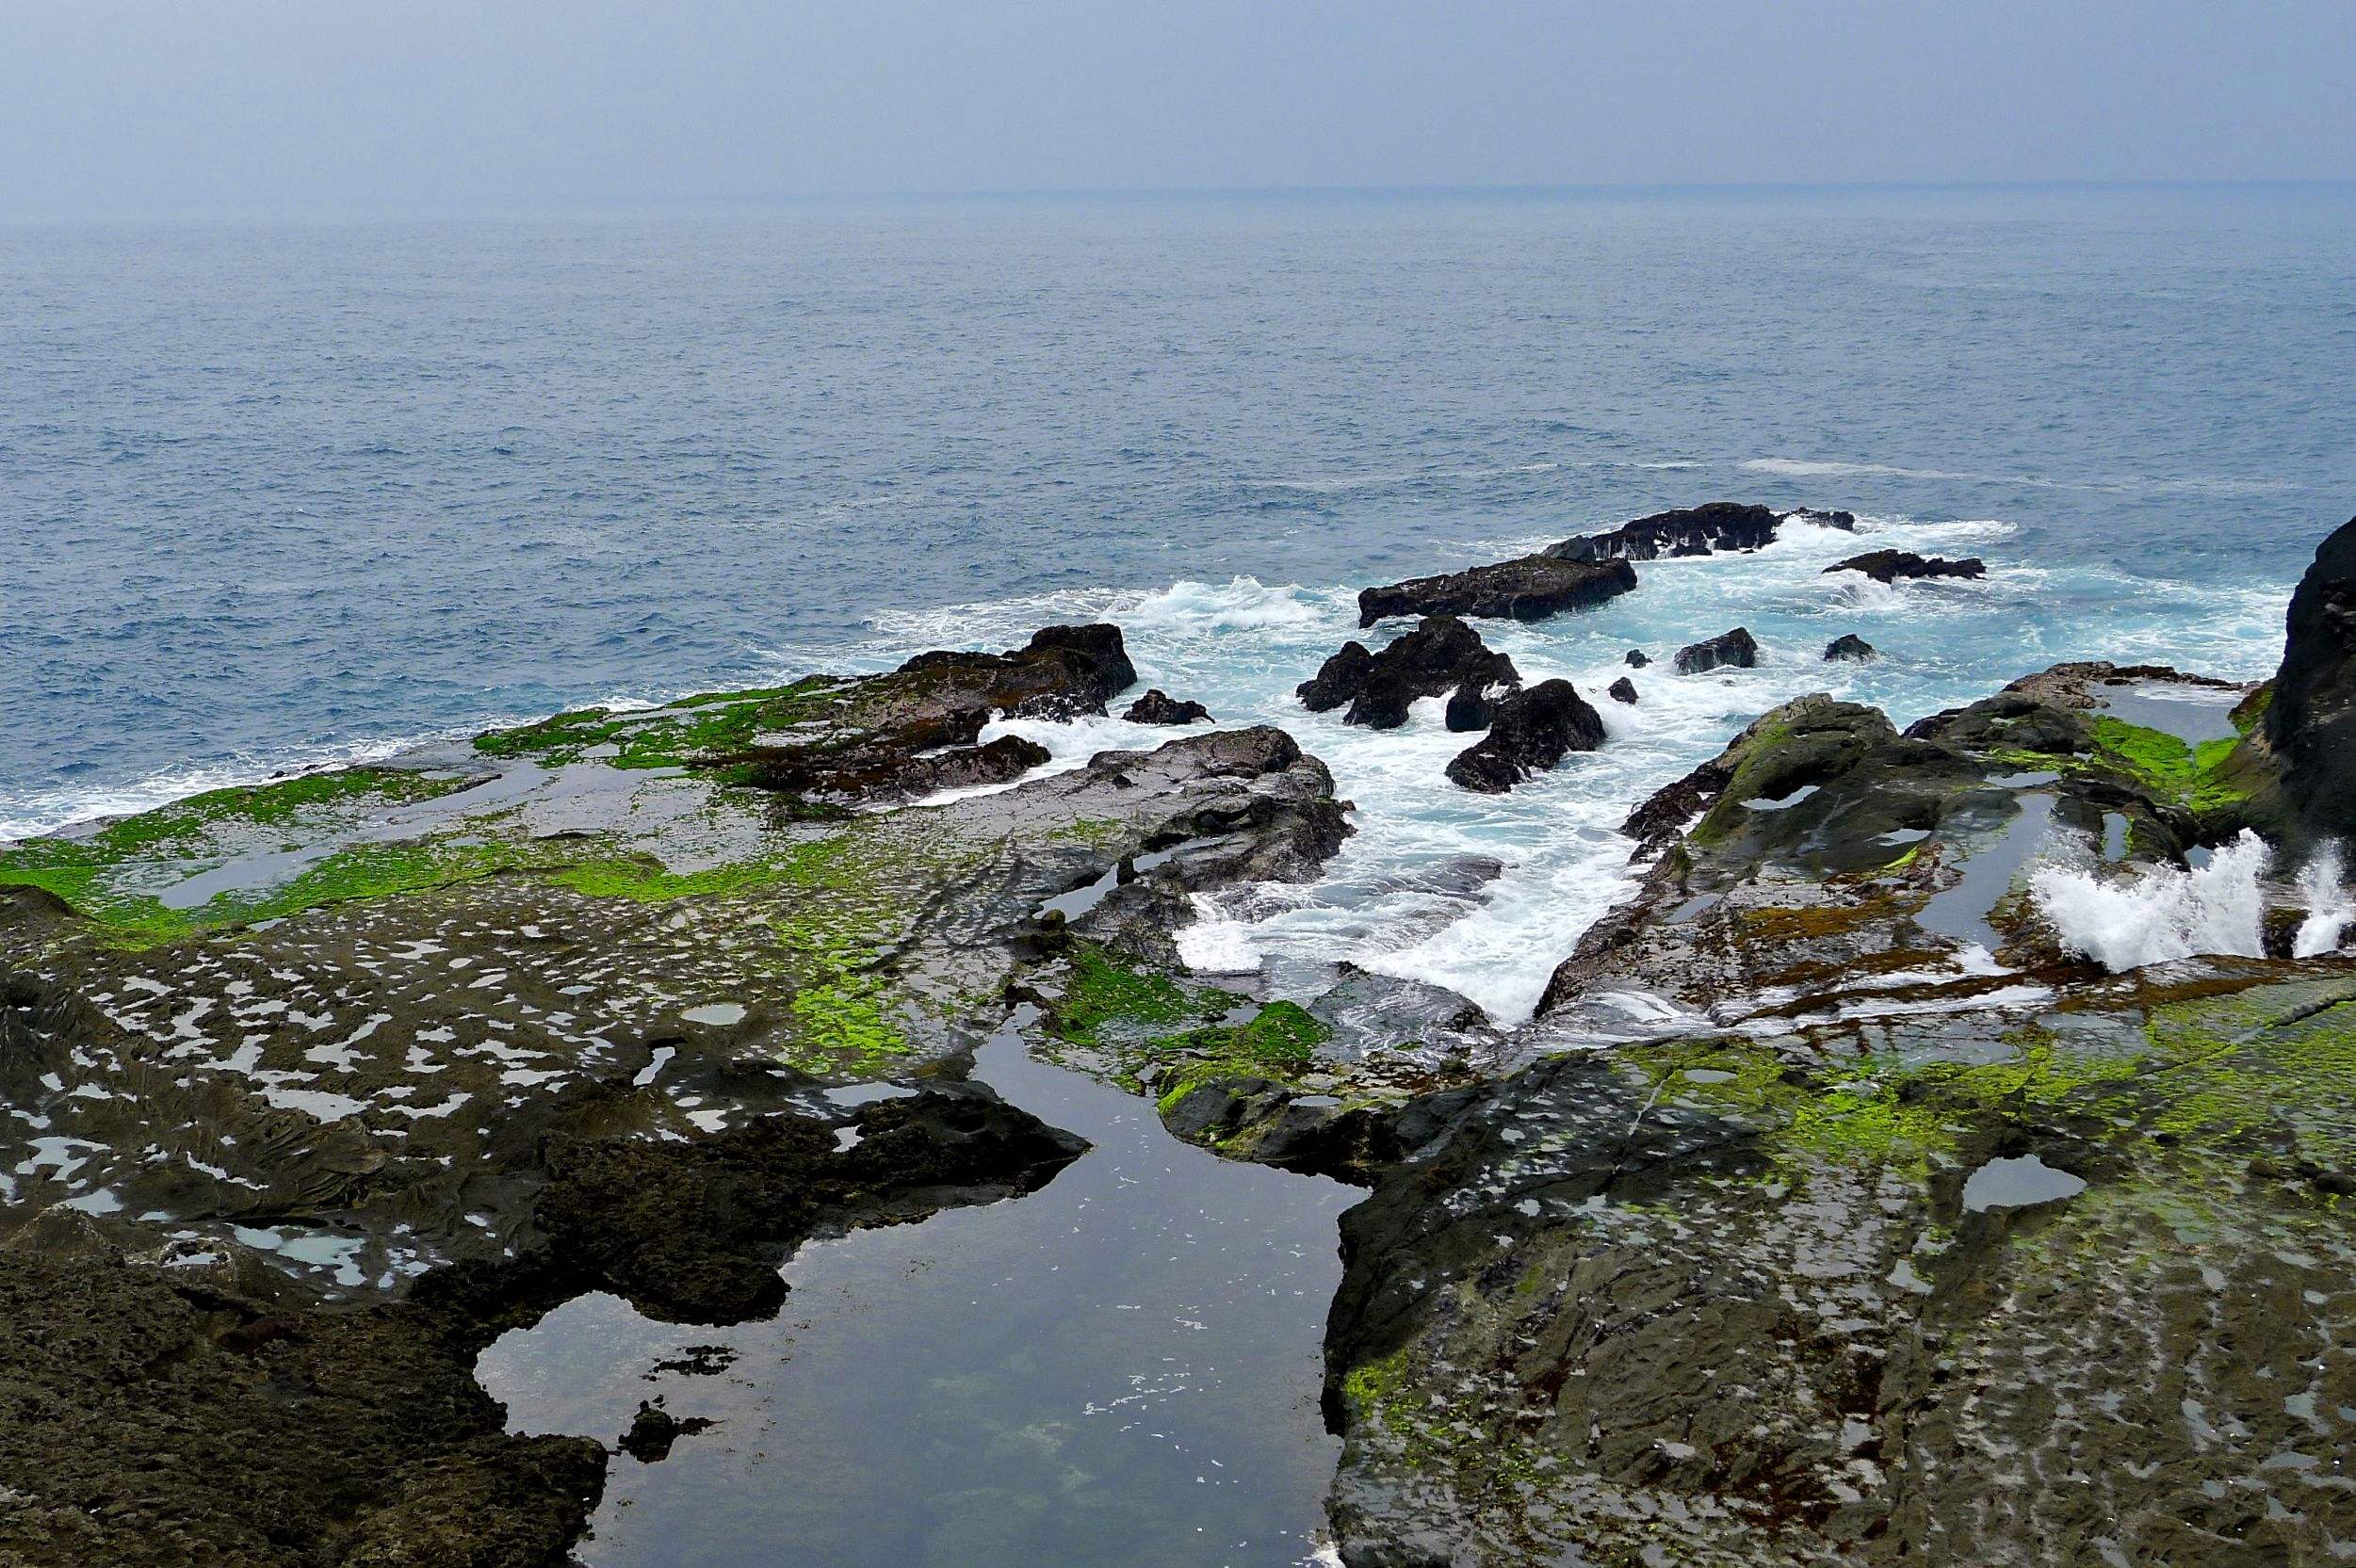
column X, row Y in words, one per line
column 2330, row 911
column 2161, row 914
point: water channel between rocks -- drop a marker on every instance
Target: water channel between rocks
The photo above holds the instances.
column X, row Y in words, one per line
column 1120, row 1368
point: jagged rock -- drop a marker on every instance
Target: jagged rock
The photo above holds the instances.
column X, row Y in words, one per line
column 1531, row 732
column 1637, row 658
column 2310, row 724
column 1528, row 589
column 655, row 1429
column 1471, row 707
column 1442, row 655
column 1158, row 706
column 1848, row 645
column 1693, row 531
column 1735, row 649
column 1622, row 690
column 888, row 736
column 1844, row 521
column 1885, row 566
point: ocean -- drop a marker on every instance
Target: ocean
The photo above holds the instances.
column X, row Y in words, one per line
column 281, row 494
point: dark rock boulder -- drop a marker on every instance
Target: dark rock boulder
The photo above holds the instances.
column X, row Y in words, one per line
column 1529, row 588
column 1471, row 708
column 2311, row 722
column 1736, row 650
column 1623, row 690
column 655, row 1429
column 1442, row 655
column 1531, row 732
column 890, row 736
column 1692, row 532
column 1158, row 706
column 1844, row 521
column 1637, row 658
column 1885, row 566
column 1848, row 645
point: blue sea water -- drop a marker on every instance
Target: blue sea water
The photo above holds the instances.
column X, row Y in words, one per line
column 274, row 494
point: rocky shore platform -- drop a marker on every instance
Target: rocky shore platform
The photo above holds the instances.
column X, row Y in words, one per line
column 1846, row 1201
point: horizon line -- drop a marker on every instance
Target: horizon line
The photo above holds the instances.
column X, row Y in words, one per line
column 555, row 204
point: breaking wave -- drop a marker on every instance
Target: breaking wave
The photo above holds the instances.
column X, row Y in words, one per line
column 2160, row 915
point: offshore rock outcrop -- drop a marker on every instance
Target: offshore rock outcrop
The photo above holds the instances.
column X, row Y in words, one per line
column 1850, row 646
column 1529, row 733
column 1734, row 650
column 1530, row 587
column 1442, row 655
column 1158, row 706
column 1889, row 566
column 350, row 1072
column 1720, row 526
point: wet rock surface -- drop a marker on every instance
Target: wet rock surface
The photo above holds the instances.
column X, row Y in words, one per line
column 1440, row 656
column 1720, row 526
column 1158, row 706
column 1734, row 650
column 316, row 1088
column 1528, row 589
column 1529, row 733
column 2311, row 720
column 1622, row 690
column 1889, row 566
column 1848, row 645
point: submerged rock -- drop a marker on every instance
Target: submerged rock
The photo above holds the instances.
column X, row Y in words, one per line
column 1532, row 731
column 1529, row 588
column 1158, row 706
column 1885, row 566
column 1622, row 690
column 1848, row 645
column 1844, row 521
column 1693, row 531
column 655, row 1429
column 1735, row 649
column 1442, row 654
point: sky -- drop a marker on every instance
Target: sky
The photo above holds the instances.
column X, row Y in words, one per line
column 236, row 106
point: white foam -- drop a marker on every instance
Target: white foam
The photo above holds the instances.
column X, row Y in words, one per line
column 2159, row 913
column 2330, row 911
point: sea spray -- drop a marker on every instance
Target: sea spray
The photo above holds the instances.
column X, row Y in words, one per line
column 2323, row 893
column 2161, row 914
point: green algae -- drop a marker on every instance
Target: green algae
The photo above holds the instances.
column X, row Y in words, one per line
column 692, row 731
column 1104, row 993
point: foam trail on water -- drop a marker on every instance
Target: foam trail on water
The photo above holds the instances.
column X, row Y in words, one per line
column 2330, row 911
column 2160, row 915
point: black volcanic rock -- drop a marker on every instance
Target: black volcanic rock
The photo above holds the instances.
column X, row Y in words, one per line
column 1885, row 566
column 1693, row 531
column 1637, row 658
column 1848, row 645
column 1622, row 690
column 655, row 1429
column 1158, row 706
column 1736, row 649
column 2311, row 722
column 1529, row 588
column 1442, row 654
column 1531, row 732
column 1470, row 708
column 1844, row 521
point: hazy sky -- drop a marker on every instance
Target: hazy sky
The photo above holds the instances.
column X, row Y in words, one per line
column 138, row 104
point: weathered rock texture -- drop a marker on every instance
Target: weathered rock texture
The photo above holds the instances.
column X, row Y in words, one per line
column 1734, row 650
column 1528, row 589
column 1720, row 526
column 1442, row 655
column 1529, row 733
column 1886, row 566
